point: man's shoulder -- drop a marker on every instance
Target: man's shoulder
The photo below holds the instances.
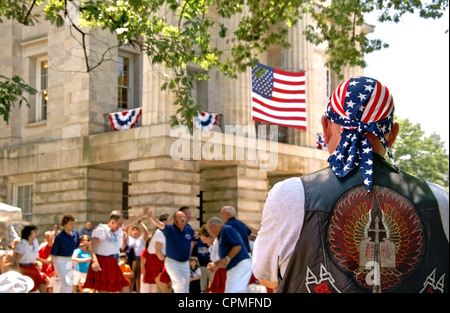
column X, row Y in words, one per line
column 287, row 186
column 228, row 228
column 285, row 196
column 439, row 191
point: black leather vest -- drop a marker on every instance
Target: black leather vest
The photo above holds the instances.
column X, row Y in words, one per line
column 389, row 240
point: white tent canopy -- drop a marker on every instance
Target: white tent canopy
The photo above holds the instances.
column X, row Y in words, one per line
column 10, row 214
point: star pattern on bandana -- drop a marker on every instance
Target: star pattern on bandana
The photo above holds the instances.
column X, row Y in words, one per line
column 356, row 105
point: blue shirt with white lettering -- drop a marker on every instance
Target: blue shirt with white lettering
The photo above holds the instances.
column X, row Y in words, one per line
column 178, row 243
column 229, row 238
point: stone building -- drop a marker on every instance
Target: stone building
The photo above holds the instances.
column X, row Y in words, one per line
column 61, row 156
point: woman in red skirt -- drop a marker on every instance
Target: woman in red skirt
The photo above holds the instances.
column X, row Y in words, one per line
column 26, row 253
column 104, row 274
column 152, row 260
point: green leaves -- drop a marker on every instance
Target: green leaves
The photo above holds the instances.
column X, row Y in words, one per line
column 225, row 34
column 12, row 92
column 420, row 155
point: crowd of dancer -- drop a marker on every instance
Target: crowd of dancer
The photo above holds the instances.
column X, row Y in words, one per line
column 122, row 256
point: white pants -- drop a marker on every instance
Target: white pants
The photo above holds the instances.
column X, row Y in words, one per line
column 238, row 277
column 179, row 273
column 64, row 269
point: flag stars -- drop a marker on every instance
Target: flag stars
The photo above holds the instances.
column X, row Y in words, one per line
column 368, row 87
column 362, row 97
column 367, row 150
column 346, row 167
column 350, row 104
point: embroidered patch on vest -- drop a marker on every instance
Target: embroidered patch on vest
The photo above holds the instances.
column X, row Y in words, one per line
column 433, row 286
column 376, row 237
column 322, row 284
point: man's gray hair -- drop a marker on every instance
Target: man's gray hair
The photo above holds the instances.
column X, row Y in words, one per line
column 230, row 210
column 215, row 221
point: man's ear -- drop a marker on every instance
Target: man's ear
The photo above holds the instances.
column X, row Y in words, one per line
column 326, row 128
column 392, row 135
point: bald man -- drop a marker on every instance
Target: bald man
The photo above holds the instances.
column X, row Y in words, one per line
column 178, row 249
column 228, row 216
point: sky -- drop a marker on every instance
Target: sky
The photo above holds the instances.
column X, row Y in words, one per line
column 415, row 68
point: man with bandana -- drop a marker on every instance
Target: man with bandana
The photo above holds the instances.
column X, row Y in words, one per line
column 361, row 224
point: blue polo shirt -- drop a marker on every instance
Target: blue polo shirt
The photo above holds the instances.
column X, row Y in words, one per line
column 242, row 229
column 178, row 243
column 65, row 244
column 229, row 238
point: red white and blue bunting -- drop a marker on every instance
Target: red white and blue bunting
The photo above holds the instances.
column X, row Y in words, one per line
column 321, row 142
column 205, row 120
column 125, row 119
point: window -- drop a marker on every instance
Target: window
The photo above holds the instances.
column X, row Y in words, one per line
column 42, row 87
column 24, row 200
column 124, row 82
column 200, row 90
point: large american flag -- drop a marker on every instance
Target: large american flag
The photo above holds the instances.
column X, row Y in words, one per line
column 278, row 97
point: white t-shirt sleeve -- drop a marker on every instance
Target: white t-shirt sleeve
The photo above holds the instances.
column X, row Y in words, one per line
column 281, row 225
column 442, row 197
column 99, row 232
column 21, row 247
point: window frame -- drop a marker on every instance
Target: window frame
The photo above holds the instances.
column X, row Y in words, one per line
column 40, row 114
column 130, row 79
column 27, row 210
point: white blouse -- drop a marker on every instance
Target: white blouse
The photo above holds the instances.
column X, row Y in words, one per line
column 110, row 242
column 29, row 252
column 158, row 236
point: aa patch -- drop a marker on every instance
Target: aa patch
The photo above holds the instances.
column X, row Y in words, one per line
column 376, row 237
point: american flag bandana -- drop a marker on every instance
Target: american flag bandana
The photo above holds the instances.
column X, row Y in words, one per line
column 360, row 105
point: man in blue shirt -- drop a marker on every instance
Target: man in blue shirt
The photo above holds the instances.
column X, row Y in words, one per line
column 178, row 249
column 228, row 216
column 234, row 256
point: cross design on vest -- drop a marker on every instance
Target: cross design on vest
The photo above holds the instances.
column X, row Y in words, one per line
column 375, row 237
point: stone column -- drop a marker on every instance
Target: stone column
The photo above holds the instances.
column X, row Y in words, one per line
column 165, row 184
column 157, row 105
column 252, row 188
column 245, row 188
column 219, row 186
column 59, row 192
column 87, row 193
column 299, row 58
column 3, row 189
column 233, row 95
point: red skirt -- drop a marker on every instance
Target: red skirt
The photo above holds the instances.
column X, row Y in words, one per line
column 154, row 266
column 164, row 278
column 218, row 282
column 31, row 271
column 110, row 278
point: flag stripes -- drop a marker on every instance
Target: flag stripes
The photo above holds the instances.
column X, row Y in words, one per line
column 279, row 97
